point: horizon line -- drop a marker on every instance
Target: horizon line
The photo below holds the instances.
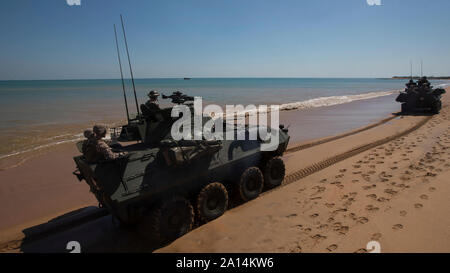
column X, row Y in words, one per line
column 190, row 78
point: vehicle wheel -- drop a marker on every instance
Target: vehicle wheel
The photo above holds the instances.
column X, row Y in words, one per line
column 172, row 219
column 250, row 184
column 212, row 201
column 436, row 108
column 274, row 173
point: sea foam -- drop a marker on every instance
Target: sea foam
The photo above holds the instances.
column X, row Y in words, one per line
column 333, row 100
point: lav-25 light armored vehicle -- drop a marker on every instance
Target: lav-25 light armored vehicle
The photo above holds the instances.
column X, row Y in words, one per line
column 421, row 97
column 163, row 185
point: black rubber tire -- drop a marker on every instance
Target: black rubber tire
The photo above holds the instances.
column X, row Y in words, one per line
column 212, row 202
column 172, row 219
column 274, row 172
column 436, row 108
column 250, row 184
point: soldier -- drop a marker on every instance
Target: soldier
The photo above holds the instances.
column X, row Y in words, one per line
column 152, row 105
column 153, row 99
column 90, row 137
column 104, row 152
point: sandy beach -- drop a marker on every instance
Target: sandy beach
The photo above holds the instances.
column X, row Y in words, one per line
column 396, row 194
column 388, row 194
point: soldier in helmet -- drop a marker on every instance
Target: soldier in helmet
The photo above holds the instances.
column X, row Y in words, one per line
column 152, row 105
column 102, row 149
column 90, row 138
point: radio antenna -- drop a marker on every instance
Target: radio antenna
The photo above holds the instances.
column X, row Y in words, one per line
column 410, row 64
column 129, row 63
column 421, row 67
column 121, row 74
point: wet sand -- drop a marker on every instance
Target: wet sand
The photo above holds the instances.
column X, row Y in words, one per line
column 395, row 196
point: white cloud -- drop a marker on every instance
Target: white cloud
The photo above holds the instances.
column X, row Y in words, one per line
column 374, row 2
column 73, row 2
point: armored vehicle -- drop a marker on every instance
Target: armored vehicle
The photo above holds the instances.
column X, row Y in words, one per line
column 164, row 185
column 420, row 97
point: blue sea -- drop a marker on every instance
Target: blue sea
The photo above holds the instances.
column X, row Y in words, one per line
column 36, row 114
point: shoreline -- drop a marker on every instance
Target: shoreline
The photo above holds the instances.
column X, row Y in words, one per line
column 70, row 134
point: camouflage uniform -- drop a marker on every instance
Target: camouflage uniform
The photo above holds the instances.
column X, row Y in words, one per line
column 90, row 136
column 105, row 151
column 97, row 148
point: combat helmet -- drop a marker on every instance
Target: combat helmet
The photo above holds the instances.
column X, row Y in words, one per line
column 153, row 94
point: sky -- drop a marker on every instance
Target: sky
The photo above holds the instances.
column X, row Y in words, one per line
column 49, row 39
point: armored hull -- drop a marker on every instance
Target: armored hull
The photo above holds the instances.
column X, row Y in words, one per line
column 161, row 180
column 421, row 98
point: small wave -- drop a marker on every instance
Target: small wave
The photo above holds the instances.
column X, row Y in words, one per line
column 40, row 147
column 333, row 100
column 444, row 85
column 321, row 102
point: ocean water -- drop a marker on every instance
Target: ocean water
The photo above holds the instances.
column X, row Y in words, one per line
column 36, row 114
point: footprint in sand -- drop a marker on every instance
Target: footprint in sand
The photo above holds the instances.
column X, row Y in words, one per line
column 432, row 189
column 338, row 211
column 329, row 205
column 403, row 213
column 372, row 196
column 306, row 230
column 397, row 227
column 315, row 215
column 338, row 227
column 332, row 248
column 369, row 187
column 297, row 249
column 376, row 237
column 319, row 237
column 390, row 191
column 362, row 220
column 424, row 197
column 372, row 208
column 418, row 206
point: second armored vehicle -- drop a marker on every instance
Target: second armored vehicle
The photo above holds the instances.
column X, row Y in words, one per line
column 421, row 97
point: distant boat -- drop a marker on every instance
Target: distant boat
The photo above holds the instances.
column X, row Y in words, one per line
column 187, row 79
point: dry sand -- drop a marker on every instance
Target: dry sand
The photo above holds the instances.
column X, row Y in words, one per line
column 397, row 194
